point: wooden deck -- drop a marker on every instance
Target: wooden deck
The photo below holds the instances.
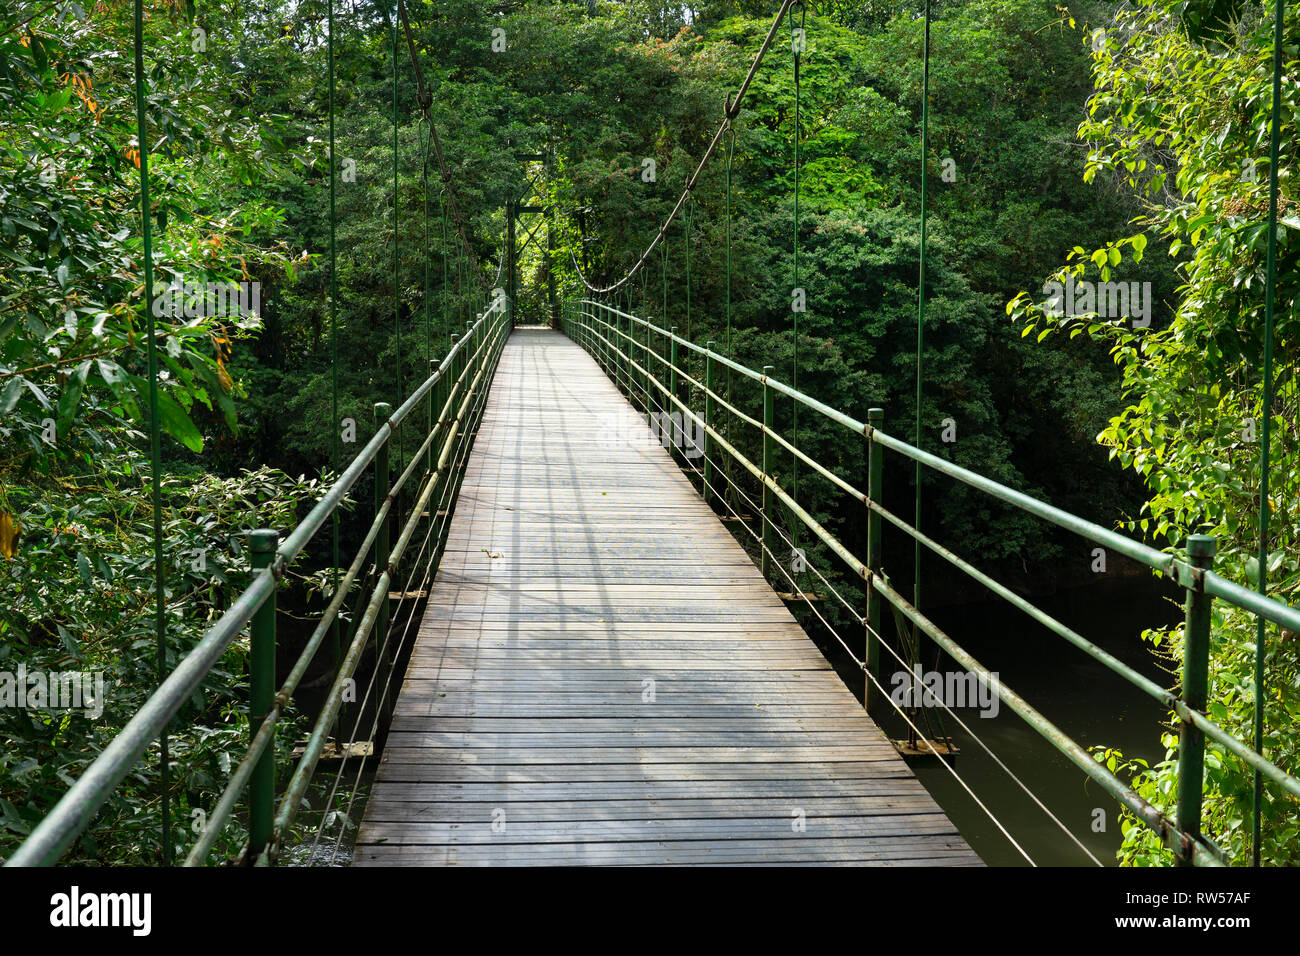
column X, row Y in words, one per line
column 602, row 676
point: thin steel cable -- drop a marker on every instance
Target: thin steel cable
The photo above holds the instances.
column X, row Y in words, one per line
column 795, row 48
column 335, row 449
column 920, row 294
column 461, row 456
column 921, row 737
column 1270, row 286
column 861, row 620
column 690, row 225
column 397, row 247
column 446, row 279
column 425, row 99
column 459, row 459
column 155, row 433
column 776, row 527
column 920, row 306
column 424, row 175
column 446, row 408
column 731, row 153
column 1010, row 773
column 731, row 111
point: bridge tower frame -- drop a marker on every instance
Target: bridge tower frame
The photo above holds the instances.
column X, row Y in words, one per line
column 530, row 203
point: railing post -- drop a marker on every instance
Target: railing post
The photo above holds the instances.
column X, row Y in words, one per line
column 708, row 423
column 606, row 342
column 261, row 785
column 1196, row 678
column 645, row 364
column 472, row 358
column 450, row 381
column 616, row 324
column 625, row 358
column 383, row 484
column 435, row 409
column 462, row 361
column 672, row 370
column 599, row 340
column 769, row 454
column 875, row 617
column 661, row 368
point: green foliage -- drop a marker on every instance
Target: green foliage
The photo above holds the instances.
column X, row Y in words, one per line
column 76, row 577
column 1183, row 120
column 79, row 597
column 241, row 188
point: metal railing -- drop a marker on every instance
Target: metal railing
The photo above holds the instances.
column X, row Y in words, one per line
column 456, row 388
column 646, row 362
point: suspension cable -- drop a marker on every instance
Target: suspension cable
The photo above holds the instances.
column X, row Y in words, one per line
column 446, row 280
column 731, row 110
column 424, row 176
column 798, row 40
column 920, row 294
column 155, row 436
column 1270, row 285
column 397, row 288
column 335, row 449
column 690, row 225
column 913, row 730
column 426, row 106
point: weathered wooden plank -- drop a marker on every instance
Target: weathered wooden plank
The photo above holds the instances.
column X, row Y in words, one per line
column 467, row 707
column 607, row 792
column 634, row 756
column 747, row 687
column 744, row 722
column 867, row 766
column 915, row 851
column 602, row 676
column 732, row 807
column 525, row 658
column 666, row 828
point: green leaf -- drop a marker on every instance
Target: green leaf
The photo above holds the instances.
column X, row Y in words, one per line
column 175, row 422
column 70, row 398
column 13, row 389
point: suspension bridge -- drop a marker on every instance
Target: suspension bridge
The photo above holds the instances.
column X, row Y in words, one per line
column 574, row 640
column 603, row 676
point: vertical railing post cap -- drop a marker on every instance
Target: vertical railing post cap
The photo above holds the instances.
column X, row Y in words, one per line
column 263, row 540
column 381, row 407
column 709, row 345
column 1202, row 545
column 875, row 414
column 769, row 369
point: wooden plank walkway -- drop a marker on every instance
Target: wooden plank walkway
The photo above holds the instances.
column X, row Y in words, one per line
column 602, row 676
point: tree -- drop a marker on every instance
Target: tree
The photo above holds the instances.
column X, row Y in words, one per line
column 1180, row 111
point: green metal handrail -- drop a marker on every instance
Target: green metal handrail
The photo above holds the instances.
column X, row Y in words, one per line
column 598, row 327
column 460, row 380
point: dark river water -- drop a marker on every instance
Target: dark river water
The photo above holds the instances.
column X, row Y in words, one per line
column 1082, row 697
